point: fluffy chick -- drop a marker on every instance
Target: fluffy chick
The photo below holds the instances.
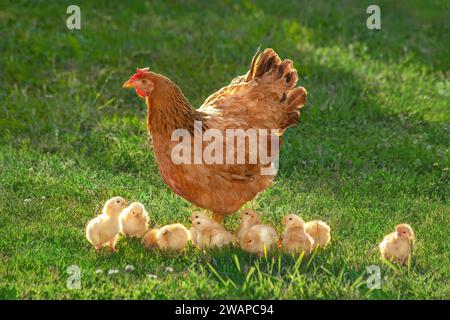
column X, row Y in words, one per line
column 257, row 237
column 173, row 237
column 200, row 215
column 295, row 239
column 210, row 235
column 104, row 229
column 134, row 220
column 397, row 246
column 249, row 218
column 319, row 231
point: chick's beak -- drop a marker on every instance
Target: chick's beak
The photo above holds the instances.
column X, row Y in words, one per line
column 128, row 84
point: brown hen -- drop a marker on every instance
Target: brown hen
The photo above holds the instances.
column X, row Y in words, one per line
column 264, row 98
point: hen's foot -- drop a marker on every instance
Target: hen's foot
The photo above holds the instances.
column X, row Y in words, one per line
column 218, row 217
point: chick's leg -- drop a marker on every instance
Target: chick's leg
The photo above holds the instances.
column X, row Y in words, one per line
column 112, row 244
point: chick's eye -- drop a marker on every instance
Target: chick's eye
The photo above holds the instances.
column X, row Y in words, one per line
column 118, row 201
column 198, row 222
column 290, row 218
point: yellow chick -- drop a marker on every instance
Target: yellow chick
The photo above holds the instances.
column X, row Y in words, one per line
column 257, row 237
column 104, row 229
column 200, row 215
column 319, row 231
column 173, row 237
column 134, row 220
column 295, row 239
column 210, row 235
column 249, row 218
column 397, row 246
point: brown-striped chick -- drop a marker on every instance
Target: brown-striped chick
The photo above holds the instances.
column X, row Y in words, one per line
column 104, row 229
column 397, row 246
column 134, row 220
column 200, row 215
column 319, row 231
column 210, row 235
column 295, row 239
column 172, row 237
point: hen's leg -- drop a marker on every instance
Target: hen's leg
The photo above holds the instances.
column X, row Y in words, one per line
column 218, row 217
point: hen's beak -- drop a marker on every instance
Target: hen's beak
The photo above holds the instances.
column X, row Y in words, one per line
column 127, row 84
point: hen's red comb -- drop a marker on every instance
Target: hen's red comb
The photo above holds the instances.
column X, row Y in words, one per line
column 140, row 73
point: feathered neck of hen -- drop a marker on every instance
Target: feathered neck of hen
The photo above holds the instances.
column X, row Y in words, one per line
column 168, row 109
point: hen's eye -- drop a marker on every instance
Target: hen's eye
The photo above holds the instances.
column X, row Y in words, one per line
column 143, row 81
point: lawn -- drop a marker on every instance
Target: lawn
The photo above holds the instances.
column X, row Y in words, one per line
column 371, row 149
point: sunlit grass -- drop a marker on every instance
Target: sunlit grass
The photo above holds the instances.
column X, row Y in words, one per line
column 371, row 149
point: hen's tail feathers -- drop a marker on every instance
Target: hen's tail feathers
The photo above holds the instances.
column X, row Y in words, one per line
column 267, row 65
column 296, row 99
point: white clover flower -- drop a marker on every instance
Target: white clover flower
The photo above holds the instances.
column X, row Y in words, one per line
column 129, row 268
column 27, row 200
column 152, row 276
column 113, row 271
column 98, row 271
column 169, row 269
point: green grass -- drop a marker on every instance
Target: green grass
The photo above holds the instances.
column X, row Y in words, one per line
column 371, row 149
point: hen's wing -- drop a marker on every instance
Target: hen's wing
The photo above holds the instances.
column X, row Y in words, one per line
column 266, row 97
